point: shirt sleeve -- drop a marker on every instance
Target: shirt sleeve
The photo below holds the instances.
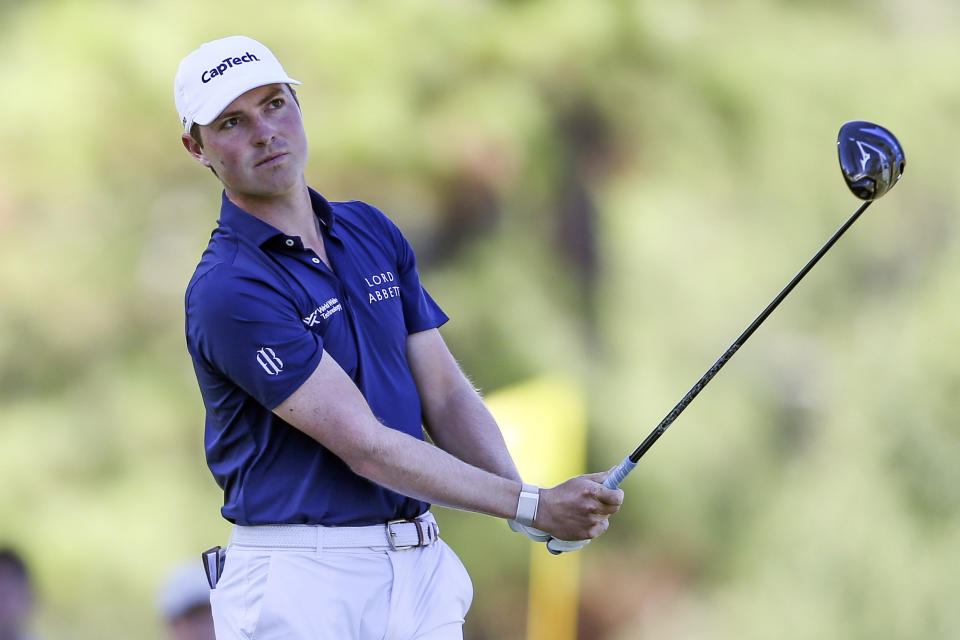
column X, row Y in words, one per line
column 252, row 334
column 420, row 311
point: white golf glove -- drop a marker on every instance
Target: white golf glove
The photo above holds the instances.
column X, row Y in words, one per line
column 531, row 532
column 556, row 547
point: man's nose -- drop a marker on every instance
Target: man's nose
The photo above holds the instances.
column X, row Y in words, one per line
column 263, row 131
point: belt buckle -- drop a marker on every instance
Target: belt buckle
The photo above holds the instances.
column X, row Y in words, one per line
column 392, row 537
column 424, row 539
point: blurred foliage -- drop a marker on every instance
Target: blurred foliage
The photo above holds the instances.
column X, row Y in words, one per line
column 607, row 189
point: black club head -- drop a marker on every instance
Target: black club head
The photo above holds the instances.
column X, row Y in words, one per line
column 871, row 159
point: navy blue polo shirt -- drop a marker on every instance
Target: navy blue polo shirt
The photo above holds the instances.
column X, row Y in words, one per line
column 260, row 311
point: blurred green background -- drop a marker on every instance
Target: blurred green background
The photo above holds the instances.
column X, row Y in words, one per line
column 608, row 190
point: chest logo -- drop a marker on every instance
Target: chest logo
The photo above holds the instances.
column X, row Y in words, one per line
column 269, row 361
column 323, row 312
column 380, row 287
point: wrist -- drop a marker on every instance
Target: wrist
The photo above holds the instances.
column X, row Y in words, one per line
column 527, row 504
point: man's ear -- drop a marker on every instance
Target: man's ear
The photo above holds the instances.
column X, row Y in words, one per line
column 193, row 148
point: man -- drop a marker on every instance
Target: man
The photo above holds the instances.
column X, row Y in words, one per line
column 320, row 364
column 16, row 596
column 184, row 603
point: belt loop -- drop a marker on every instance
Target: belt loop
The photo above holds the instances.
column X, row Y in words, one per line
column 320, row 539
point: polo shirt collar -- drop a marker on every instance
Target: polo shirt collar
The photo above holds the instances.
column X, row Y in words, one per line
column 322, row 208
column 258, row 231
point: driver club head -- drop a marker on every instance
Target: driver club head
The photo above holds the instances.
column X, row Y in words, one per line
column 871, row 158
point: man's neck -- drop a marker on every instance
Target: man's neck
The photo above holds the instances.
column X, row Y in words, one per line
column 291, row 213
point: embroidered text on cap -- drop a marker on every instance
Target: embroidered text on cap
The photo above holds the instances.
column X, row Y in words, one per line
column 227, row 63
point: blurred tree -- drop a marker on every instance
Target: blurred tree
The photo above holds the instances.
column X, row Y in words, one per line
column 607, row 190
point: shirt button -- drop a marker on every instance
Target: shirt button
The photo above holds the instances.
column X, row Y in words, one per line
column 315, row 260
column 289, row 242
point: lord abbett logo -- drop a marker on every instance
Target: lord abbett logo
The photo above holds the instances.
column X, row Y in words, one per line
column 381, row 286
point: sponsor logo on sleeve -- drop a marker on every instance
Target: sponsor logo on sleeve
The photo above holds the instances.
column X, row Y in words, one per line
column 268, row 359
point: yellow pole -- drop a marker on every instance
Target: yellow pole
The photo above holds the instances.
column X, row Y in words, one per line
column 554, row 598
column 544, row 424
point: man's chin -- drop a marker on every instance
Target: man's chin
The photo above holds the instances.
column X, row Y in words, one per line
column 267, row 189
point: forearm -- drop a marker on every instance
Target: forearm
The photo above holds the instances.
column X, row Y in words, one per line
column 461, row 424
column 454, row 414
column 330, row 409
column 420, row 470
column 574, row 510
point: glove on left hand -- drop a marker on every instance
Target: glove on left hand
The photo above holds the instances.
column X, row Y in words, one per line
column 556, row 547
column 533, row 533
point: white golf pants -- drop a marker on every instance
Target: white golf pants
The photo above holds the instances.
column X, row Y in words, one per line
column 278, row 586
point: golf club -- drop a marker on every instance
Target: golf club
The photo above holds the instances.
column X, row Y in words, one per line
column 872, row 162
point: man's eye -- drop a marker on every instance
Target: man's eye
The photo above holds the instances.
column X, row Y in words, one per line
column 229, row 123
column 276, row 103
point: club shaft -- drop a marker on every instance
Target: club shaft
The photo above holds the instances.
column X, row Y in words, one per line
column 627, row 465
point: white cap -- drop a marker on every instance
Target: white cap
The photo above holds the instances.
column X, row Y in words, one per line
column 184, row 588
column 218, row 72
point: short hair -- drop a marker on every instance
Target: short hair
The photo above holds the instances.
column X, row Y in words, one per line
column 195, row 134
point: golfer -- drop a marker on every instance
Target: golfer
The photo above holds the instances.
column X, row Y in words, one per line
column 320, row 364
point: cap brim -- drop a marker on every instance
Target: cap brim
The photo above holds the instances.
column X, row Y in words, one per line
column 211, row 111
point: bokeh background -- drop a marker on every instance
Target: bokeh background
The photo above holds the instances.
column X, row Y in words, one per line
column 607, row 191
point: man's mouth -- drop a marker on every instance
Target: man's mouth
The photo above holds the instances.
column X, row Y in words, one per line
column 271, row 159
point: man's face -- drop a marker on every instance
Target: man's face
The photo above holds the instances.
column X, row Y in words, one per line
column 257, row 145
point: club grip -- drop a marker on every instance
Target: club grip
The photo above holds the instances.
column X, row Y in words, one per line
column 556, row 547
column 619, row 473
